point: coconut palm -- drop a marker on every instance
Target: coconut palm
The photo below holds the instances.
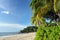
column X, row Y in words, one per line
column 40, row 8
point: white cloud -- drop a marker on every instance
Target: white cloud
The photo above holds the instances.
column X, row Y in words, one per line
column 12, row 25
column 5, row 12
column 4, row 8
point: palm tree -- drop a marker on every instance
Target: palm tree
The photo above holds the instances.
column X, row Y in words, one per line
column 40, row 8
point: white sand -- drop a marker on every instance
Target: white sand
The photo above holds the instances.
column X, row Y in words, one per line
column 26, row 36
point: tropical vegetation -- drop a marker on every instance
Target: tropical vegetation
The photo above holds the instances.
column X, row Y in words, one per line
column 29, row 29
column 46, row 16
column 48, row 33
column 41, row 9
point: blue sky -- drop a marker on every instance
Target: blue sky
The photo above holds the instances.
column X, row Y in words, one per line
column 14, row 14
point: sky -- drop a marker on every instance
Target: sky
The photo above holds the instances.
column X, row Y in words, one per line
column 14, row 15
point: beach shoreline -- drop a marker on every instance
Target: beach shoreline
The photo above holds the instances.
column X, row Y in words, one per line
column 22, row 36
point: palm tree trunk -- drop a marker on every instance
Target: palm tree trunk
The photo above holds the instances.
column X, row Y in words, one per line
column 53, row 5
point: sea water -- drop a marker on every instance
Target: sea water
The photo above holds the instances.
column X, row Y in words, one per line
column 7, row 33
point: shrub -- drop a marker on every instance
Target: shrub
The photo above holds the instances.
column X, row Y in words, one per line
column 48, row 33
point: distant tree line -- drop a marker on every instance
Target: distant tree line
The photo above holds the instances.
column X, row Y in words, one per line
column 29, row 29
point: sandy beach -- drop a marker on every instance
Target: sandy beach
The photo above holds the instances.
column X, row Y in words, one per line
column 26, row 36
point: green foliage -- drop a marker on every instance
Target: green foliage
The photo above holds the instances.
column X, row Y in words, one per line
column 48, row 33
column 29, row 29
column 58, row 5
column 41, row 7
